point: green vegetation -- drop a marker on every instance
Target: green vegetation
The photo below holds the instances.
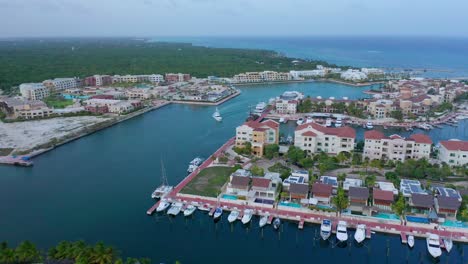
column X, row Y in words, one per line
column 284, row 171
column 340, row 200
column 462, row 97
column 399, row 206
column 65, row 252
column 443, row 107
column 271, row 151
column 208, row 182
column 295, row 154
column 5, row 151
column 397, row 114
column 257, row 171
column 463, row 212
column 38, row 60
column 245, row 150
column 326, row 162
column 422, row 169
column 307, row 106
column 369, row 181
column 57, row 101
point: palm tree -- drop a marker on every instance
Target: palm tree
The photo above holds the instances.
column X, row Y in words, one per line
column 26, row 252
column 7, row 256
column 101, row 254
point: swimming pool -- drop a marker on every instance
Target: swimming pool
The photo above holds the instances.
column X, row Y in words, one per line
column 326, row 207
column 455, row 224
column 387, row 216
column 416, row 219
column 295, row 205
column 229, row 197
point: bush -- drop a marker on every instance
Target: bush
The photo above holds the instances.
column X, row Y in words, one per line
column 257, row 171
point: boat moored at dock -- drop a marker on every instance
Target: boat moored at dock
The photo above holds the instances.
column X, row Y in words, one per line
column 276, row 223
column 233, row 216
column 342, row 231
column 189, row 210
column 433, row 245
column 369, row 125
column 338, row 122
column 328, row 122
column 217, row 213
column 360, row 234
column 325, row 229
column 411, row 241
column 448, row 243
column 163, row 205
column 263, row 221
column 164, row 188
column 175, row 209
column 300, row 121
column 247, row 216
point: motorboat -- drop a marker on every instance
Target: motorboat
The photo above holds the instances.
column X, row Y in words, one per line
column 342, row 231
column 300, row 121
column 338, row 122
column 433, row 245
column 260, row 108
column 175, row 209
column 204, row 207
column 411, row 241
column 189, row 210
column 196, row 161
column 276, row 223
column 163, row 205
column 448, row 243
column 325, row 229
column 263, row 221
column 217, row 116
column 247, row 216
column 192, row 168
column 281, row 120
column 164, row 188
column 369, row 125
column 233, row 216
column 217, row 213
column 309, row 120
column 360, row 234
column 328, row 122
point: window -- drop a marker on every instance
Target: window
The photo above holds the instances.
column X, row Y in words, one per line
column 452, row 154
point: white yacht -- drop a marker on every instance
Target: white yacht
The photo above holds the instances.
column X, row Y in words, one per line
column 175, row 209
column 263, row 221
column 369, row 125
column 217, row 116
column 260, row 108
column 342, row 231
column 281, row 120
column 189, row 210
column 218, row 212
column 233, row 216
column 328, row 122
column 325, row 229
column 197, row 161
column 433, row 245
column 163, row 205
column 276, row 223
column 309, row 120
column 338, row 122
column 448, row 243
column 247, row 216
column 192, row 168
column 360, row 234
column 164, row 188
column 411, row 241
column 300, row 121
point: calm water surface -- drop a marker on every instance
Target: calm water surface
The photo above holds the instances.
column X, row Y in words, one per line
column 98, row 188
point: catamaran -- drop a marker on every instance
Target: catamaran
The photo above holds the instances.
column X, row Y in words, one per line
column 164, row 188
column 175, row 209
column 342, row 231
column 411, row 241
column 163, row 205
column 263, row 220
column 217, row 213
column 276, row 223
column 189, row 210
column 247, row 216
column 433, row 245
column 325, row 229
column 217, row 116
column 360, row 234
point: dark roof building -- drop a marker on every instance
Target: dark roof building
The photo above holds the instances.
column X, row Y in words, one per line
column 421, row 200
column 358, row 193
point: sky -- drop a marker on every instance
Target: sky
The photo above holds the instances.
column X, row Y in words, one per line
column 146, row 18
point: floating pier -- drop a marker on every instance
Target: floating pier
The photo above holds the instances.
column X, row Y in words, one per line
column 368, row 233
column 153, row 208
column 212, row 211
column 270, row 219
column 404, row 240
column 301, row 224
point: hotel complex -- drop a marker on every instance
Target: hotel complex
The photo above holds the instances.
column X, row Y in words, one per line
column 259, row 134
column 454, row 152
column 315, row 138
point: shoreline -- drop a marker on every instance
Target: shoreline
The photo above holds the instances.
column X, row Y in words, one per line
column 352, row 84
column 312, row 80
column 222, row 101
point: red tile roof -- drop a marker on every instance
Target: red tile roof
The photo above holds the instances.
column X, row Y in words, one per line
column 395, row 136
column 309, row 134
column 421, row 138
column 268, row 123
column 374, row 134
column 346, row 131
column 322, row 189
column 455, row 145
column 260, row 182
column 240, row 181
column 383, row 195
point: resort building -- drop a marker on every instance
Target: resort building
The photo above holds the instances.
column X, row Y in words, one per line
column 33, row 91
column 322, row 193
column 353, row 75
column 315, row 138
column 307, row 74
column 259, row 134
column 382, row 200
column 121, row 107
column 59, row 84
column 358, row 200
column 98, row 80
column 265, row 76
column 25, row 109
column 293, row 179
column 378, row 146
column 447, row 207
column 177, row 77
column 409, row 187
column 454, row 152
column 421, row 204
column 288, row 107
column 330, row 180
column 381, row 108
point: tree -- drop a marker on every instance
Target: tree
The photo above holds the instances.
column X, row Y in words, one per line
column 102, row 254
column 271, row 151
column 306, row 163
column 375, row 163
column 399, row 206
column 295, row 154
column 370, row 180
column 340, row 200
column 397, row 114
column 393, row 177
column 257, row 171
column 342, row 177
column 343, row 156
column 27, row 252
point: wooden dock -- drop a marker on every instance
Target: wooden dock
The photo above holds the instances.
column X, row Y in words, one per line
column 212, row 211
column 270, row 219
column 301, row 224
column 241, row 214
column 404, row 240
column 368, row 233
column 153, row 208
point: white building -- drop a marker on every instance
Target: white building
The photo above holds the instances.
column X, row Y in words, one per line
column 454, row 152
column 265, row 76
column 308, row 73
column 34, row 91
column 156, row 78
column 121, row 107
column 101, row 102
column 286, row 106
column 373, row 71
column 60, row 84
column 315, row 138
column 387, row 186
column 353, row 75
column 351, row 182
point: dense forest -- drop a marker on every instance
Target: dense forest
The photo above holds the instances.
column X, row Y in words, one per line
column 34, row 60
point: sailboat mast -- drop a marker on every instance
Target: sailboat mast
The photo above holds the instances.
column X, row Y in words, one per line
column 163, row 172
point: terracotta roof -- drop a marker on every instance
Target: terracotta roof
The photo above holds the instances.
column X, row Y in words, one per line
column 359, row 193
column 374, row 134
column 309, row 134
column 240, row 181
column 455, row 145
column 383, row 195
column 421, row 138
column 345, row 131
column 322, row 189
column 297, row 188
column 269, row 123
column 448, row 202
column 395, row 136
column 422, row 200
column 260, row 182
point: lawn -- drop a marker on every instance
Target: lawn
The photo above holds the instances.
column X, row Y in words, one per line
column 5, row 151
column 57, row 102
column 208, row 182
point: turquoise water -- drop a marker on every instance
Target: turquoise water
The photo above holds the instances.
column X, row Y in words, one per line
column 455, row 224
column 229, row 197
column 417, row 219
column 295, row 205
column 98, row 188
column 321, row 206
column 387, row 216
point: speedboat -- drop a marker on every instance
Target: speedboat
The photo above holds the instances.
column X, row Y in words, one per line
column 260, row 107
column 338, row 122
column 433, row 245
column 175, row 209
column 328, row 122
column 369, row 125
column 217, row 115
column 342, row 231
column 411, row 241
column 263, row 221
column 276, row 223
column 247, row 216
column 192, row 168
column 196, row 161
column 161, row 191
column 281, row 120
column 189, row 210
column 300, row 121
column 360, row 234
column 448, row 243
column 204, row 207
column 309, row 120
column 163, row 205
column 217, row 213
column 233, row 216
column 325, row 229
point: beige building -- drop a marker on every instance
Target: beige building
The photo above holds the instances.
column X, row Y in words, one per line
column 265, row 76
column 259, row 134
column 378, row 146
column 381, row 108
column 60, row 84
column 454, row 152
column 121, row 107
column 25, row 109
column 286, row 106
column 34, row 91
column 315, row 138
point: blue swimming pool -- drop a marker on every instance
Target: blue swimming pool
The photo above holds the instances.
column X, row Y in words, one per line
column 295, row 205
column 326, row 207
column 229, row 197
column 416, row 219
column 450, row 223
column 387, row 216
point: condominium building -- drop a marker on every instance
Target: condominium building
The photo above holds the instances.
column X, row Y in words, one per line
column 59, row 84
column 265, row 76
column 395, row 147
column 454, row 152
column 353, row 75
column 25, row 109
column 381, row 108
column 286, row 106
column 98, row 80
column 177, row 77
column 259, row 134
column 33, row 91
column 315, row 138
column 307, row 73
